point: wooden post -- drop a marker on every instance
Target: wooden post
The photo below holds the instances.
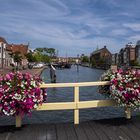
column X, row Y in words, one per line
column 18, row 121
column 128, row 113
column 76, row 100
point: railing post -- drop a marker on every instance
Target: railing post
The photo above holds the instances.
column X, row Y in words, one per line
column 18, row 121
column 128, row 113
column 76, row 100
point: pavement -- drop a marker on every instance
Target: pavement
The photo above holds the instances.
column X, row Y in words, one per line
column 31, row 71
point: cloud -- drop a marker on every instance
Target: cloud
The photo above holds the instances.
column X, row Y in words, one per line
column 75, row 26
column 133, row 26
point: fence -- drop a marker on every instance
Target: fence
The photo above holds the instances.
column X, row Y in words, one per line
column 76, row 104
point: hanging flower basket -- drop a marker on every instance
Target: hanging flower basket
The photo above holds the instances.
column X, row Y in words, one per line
column 124, row 87
column 20, row 93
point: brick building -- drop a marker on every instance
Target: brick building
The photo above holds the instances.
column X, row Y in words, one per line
column 137, row 52
column 101, row 58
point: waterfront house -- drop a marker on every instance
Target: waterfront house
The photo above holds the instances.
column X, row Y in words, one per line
column 101, row 58
column 115, row 59
column 137, row 52
column 22, row 49
column 129, row 54
column 7, row 49
column 5, row 58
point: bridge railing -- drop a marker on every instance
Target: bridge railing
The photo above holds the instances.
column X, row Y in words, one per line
column 76, row 104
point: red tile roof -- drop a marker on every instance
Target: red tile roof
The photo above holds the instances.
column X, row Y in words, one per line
column 17, row 48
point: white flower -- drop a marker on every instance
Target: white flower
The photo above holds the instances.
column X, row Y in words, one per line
column 17, row 97
column 35, row 106
column 34, row 100
column 33, row 83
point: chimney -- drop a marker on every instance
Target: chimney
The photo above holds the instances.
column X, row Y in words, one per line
column 105, row 47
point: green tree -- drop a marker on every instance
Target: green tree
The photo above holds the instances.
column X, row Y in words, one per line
column 17, row 58
column 38, row 57
column 48, row 51
column 135, row 63
column 39, row 49
column 93, row 63
column 30, row 57
column 51, row 52
column 85, row 59
column 45, row 58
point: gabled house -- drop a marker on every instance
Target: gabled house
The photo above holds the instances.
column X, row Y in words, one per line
column 6, row 50
column 22, row 49
column 5, row 58
column 101, row 58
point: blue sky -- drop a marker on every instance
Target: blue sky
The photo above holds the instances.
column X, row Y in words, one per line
column 71, row 26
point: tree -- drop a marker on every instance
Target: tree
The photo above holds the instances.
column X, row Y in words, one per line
column 17, row 58
column 85, row 59
column 45, row 58
column 38, row 57
column 51, row 52
column 48, row 51
column 93, row 63
column 30, row 57
column 39, row 49
column 135, row 63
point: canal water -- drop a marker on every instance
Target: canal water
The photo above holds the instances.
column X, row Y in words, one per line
column 85, row 74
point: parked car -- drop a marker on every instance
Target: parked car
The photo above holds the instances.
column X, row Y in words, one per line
column 39, row 65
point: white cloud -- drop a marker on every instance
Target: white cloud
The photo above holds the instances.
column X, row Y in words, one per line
column 78, row 26
column 117, row 32
column 132, row 26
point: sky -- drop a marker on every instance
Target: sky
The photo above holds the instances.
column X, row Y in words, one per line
column 72, row 27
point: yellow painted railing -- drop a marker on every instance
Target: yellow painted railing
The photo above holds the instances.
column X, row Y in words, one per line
column 76, row 104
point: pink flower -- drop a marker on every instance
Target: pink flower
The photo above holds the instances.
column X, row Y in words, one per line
column 21, row 97
column 120, row 71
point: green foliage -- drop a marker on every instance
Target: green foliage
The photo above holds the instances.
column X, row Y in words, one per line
column 17, row 58
column 48, row 51
column 85, row 59
column 45, row 58
column 93, row 63
column 38, row 57
column 51, row 52
column 30, row 57
column 39, row 49
column 41, row 55
column 135, row 63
